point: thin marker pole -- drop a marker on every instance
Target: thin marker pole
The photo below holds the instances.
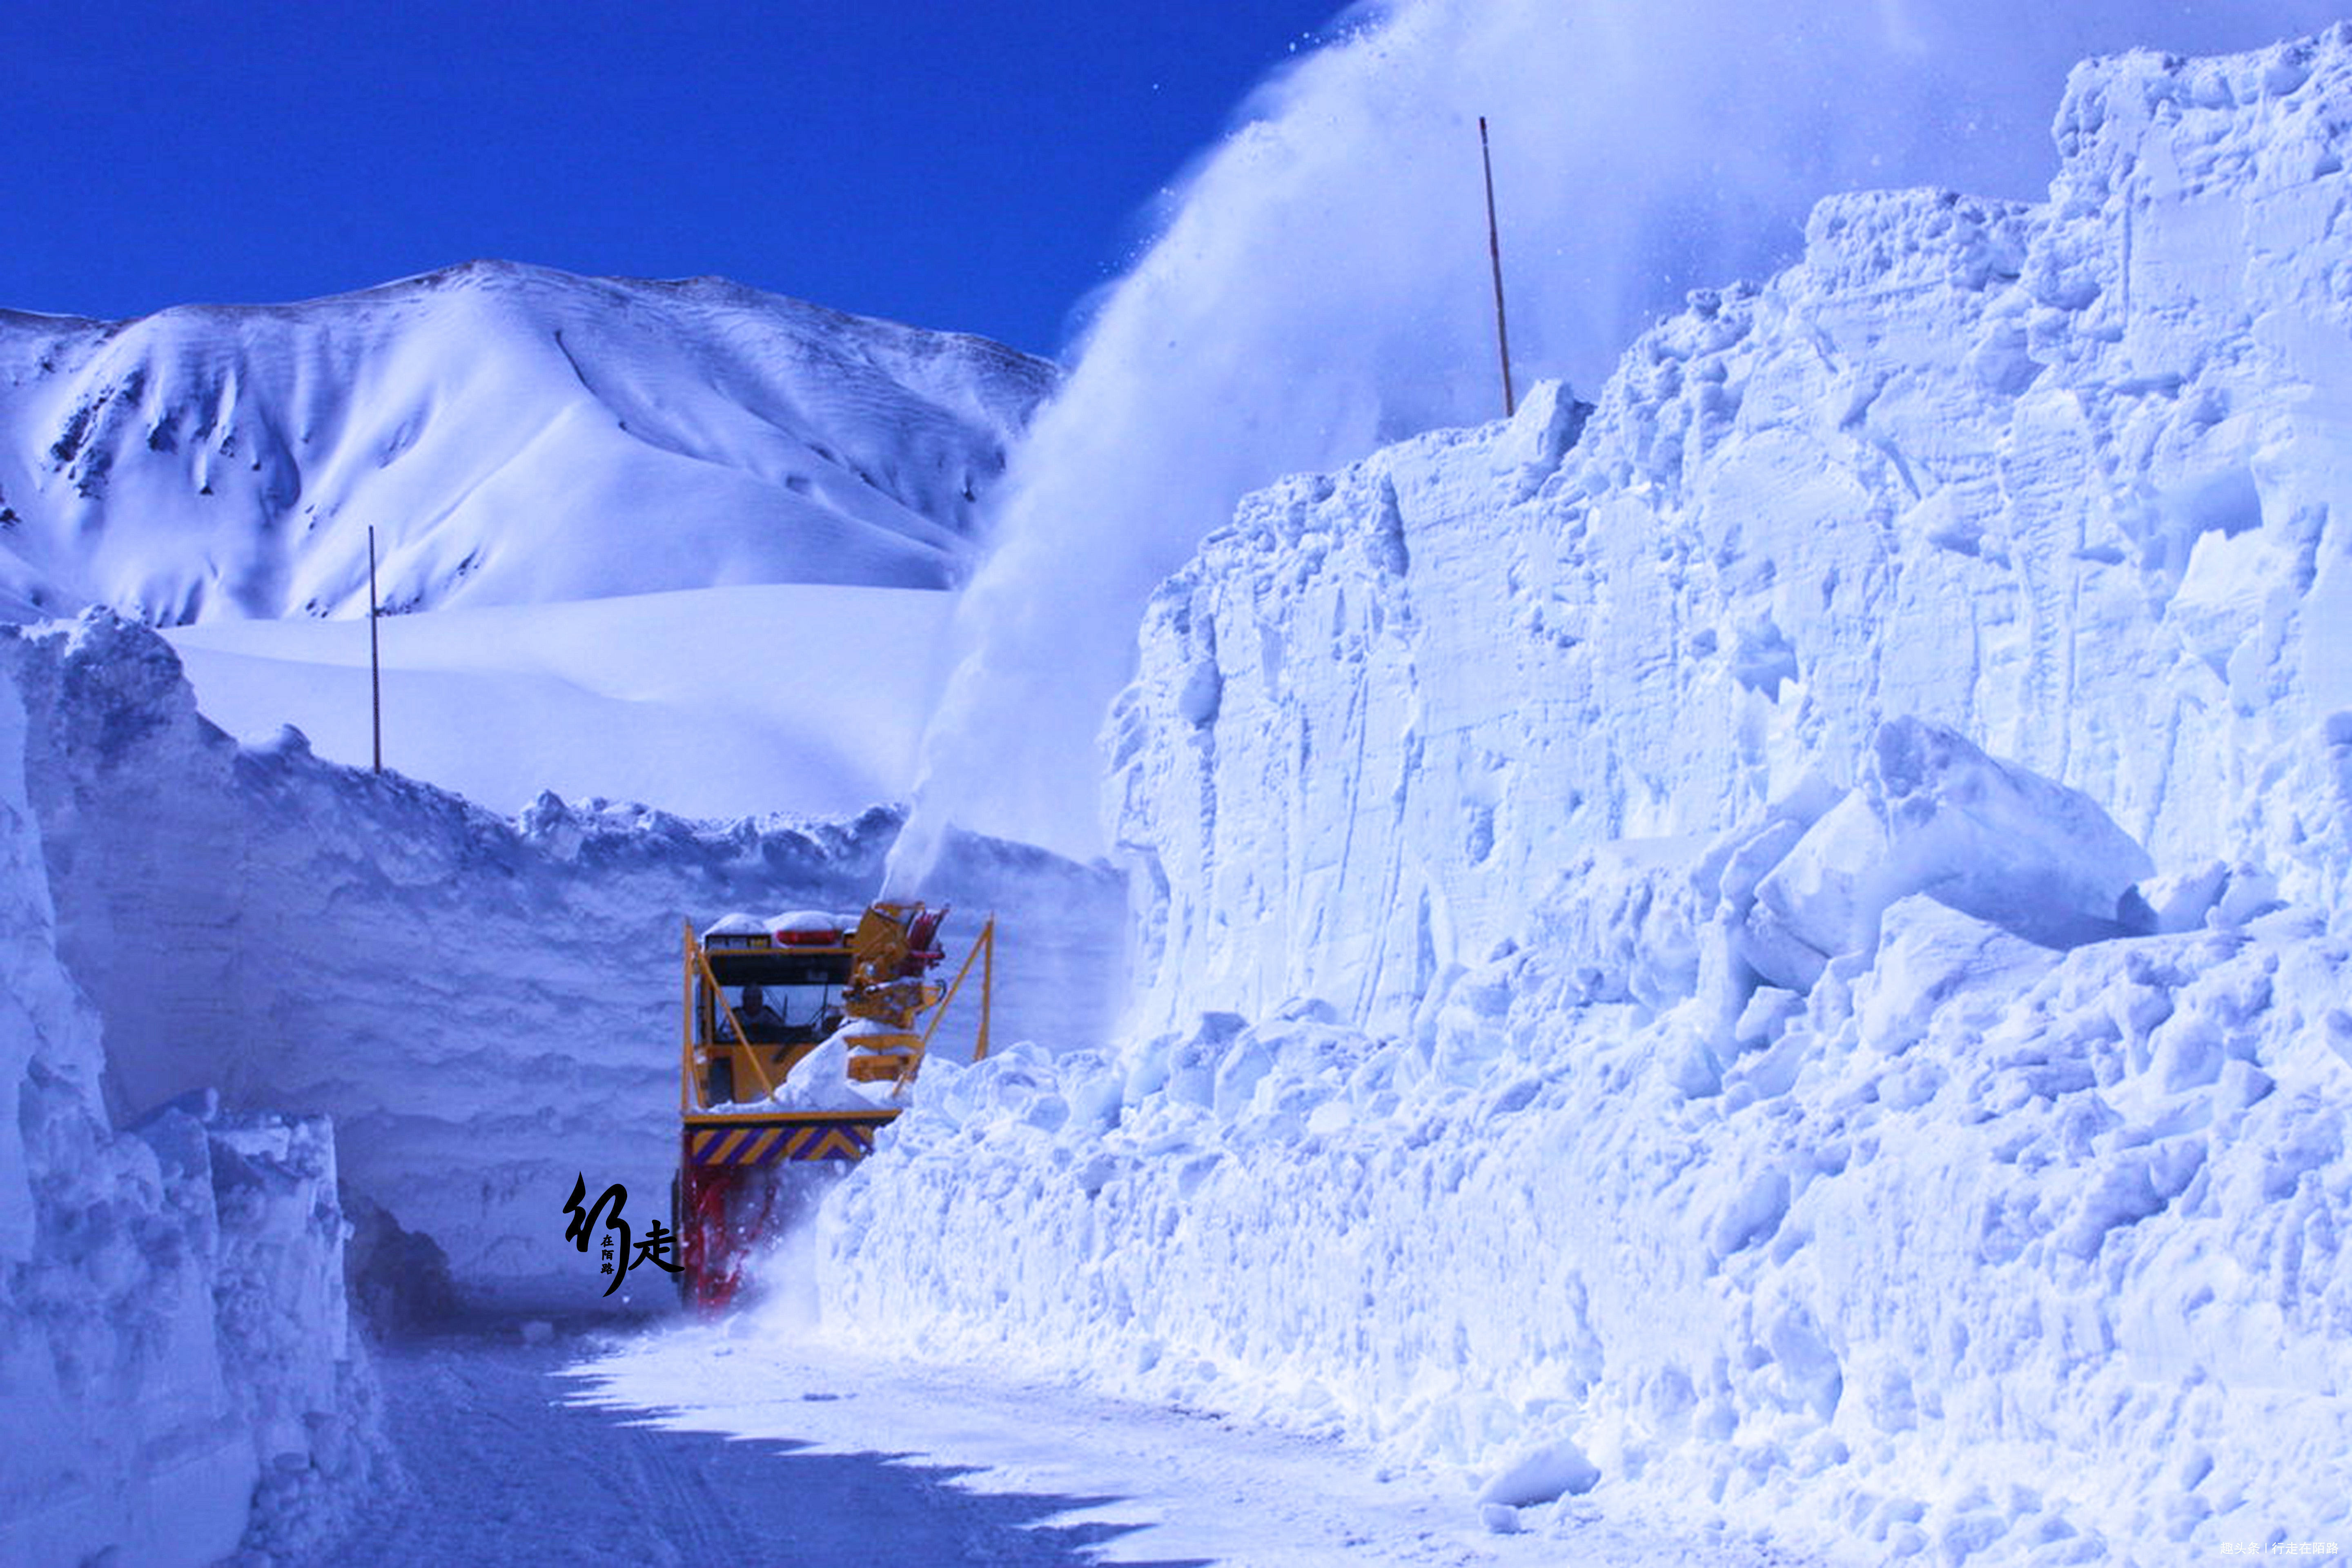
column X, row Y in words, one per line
column 1495, row 255
column 375, row 666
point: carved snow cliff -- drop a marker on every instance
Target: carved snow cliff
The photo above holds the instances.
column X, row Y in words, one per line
column 2071, row 478
column 1773, row 950
column 174, row 1350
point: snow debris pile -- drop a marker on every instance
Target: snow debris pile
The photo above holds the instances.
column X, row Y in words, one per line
column 517, row 435
column 1933, row 814
column 1972, row 1242
column 1776, row 946
column 174, row 1335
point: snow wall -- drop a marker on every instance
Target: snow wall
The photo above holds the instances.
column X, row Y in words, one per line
column 295, row 983
column 487, row 1008
column 1775, row 947
column 1320, row 286
column 174, row 1343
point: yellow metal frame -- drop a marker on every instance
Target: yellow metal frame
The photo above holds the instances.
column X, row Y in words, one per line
column 984, row 944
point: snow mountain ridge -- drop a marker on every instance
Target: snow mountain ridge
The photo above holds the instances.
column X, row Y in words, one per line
column 516, row 435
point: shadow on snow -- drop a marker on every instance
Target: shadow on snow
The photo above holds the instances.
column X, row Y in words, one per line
column 497, row 1470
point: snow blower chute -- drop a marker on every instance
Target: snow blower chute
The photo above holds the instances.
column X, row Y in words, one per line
column 801, row 1034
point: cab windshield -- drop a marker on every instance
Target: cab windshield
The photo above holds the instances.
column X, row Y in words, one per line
column 779, row 998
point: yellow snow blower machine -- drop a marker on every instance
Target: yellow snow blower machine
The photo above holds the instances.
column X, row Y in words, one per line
column 803, row 1032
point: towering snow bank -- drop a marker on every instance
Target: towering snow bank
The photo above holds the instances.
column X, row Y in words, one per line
column 1319, row 288
column 1654, row 980
column 515, row 435
column 2067, row 478
column 175, row 1373
column 486, row 1006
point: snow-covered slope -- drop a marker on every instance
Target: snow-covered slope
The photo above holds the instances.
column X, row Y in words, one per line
column 515, row 435
column 1777, row 948
column 793, row 697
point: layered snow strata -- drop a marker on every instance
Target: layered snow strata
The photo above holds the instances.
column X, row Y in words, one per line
column 486, row 1006
column 176, row 1374
column 2069, row 478
column 514, row 434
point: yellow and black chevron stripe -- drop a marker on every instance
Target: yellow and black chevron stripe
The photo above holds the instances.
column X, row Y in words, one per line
column 758, row 1144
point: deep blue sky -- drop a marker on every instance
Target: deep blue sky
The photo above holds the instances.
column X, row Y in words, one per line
column 972, row 166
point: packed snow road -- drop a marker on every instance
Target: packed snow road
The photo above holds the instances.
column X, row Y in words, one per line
column 696, row 1445
column 502, row 1468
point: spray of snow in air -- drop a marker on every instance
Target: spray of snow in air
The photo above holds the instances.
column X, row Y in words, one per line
column 1320, row 284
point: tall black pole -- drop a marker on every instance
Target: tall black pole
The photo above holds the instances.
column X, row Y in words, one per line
column 375, row 666
column 1495, row 255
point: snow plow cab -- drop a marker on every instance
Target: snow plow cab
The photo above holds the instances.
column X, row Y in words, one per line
column 802, row 1035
